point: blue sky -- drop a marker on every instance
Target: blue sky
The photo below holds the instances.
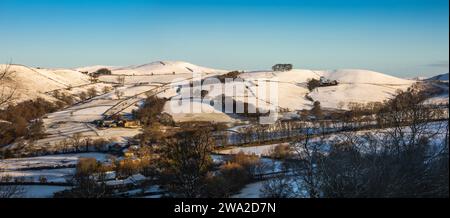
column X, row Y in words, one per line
column 399, row 37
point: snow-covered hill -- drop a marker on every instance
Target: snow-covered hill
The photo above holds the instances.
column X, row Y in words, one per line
column 155, row 68
column 357, row 76
column 91, row 69
column 442, row 77
column 30, row 83
column 355, row 85
column 361, row 86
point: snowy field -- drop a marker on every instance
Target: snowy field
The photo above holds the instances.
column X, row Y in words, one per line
column 39, row 191
column 49, row 161
column 252, row 190
column 361, row 86
column 262, row 150
column 435, row 131
column 54, row 168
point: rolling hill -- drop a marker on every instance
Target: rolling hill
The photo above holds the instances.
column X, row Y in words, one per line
column 355, row 85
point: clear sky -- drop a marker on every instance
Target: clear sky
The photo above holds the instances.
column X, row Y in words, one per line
column 399, row 37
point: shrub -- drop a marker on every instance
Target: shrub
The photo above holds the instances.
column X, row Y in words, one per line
column 102, row 71
column 312, row 84
column 282, row 67
column 83, row 96
column 251, row 163
column 106, row 89
column 281, row 151
column 19, row 116
column 92, row 92
column 148, row 113
column 231, row 75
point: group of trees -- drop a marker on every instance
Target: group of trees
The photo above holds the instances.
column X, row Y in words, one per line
column 149, row 113
column 188, row 169
column 230, row 75
column 64, row 99
column 312, row 84
column 100, row 72
column 89, row 181
column 406, row 157
column 181, row 163
column 68, row 99
column 237, row 171
column 88, row 94
column 282, row 67
column 240, row 108
column 121, row 80
column 185, row 160
column 10, row 190
column 24, row 120
column 151, row 118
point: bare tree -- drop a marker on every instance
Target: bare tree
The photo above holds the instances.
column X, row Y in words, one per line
column 309, row 155
column 406, row 157
column 121, row 80
column 118, row 93
column 6, row 93
column 281, row 186
column 88, row 180
column 76, row 140
column 83, row 96
column 106, row 89
column 185, row 159
column 10, row 190
column 92, row 92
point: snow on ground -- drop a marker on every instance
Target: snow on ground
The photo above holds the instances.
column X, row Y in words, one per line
column 77, row 90
column 355, row 86
column 54, row 168
column 51, row 175
column 255, row 190
column 293, row 76
column 49, row 161
column 120, row 135
column 195, row 111
column 128, row 91
column 252, row 190
column 91, row 69
column 361, row 86
column 157, row 79
column 31, row 83
column 164, row 67
column 78, row 118
column 39, row 191
column 262, row 150
column 364, row 77
column 435, row 130
column 441, row 99
column 441, row 77
column 339, row 97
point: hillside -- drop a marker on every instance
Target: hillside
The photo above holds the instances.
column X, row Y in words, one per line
column 361, row 86
column 442, row 77
column 355, row 85
column 30, row 83
column 155, row 68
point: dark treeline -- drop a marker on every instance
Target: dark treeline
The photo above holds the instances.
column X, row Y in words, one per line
column 407, row 159
column 149, row 113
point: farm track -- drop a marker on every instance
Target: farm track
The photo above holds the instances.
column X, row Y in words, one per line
column 126, row 103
